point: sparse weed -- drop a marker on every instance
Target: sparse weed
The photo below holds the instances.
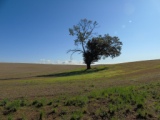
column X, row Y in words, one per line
column 10, row 117
column 55, row 105
column 77, row 101
column 77, row 115
column 63, row 112
column 141, row 114
column 24, row 118
column 23, row 102
column 13, row 106
column 54, row 110
column 39, row 103
column 50, row 103
column 34, row 102
column 102, row 112
column 4, row 102
column 96, row 95
column 41, row 115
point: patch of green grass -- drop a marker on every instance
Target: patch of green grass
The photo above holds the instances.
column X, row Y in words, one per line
column 39, row 103
column 4, row 102
column 77, row 115
column 79, row 101
column 63, row 112
column 23, row 102
column 141, row 114
column 102, row 112
column 54, row 110
column 13, row 106
column 80, row 74
column 10, row 117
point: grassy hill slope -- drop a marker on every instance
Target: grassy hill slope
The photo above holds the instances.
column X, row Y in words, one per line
column 121, row 91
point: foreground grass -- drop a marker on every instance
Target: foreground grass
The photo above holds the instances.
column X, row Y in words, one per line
column 131, row 102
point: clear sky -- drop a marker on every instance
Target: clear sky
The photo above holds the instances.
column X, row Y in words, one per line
column 37, row 30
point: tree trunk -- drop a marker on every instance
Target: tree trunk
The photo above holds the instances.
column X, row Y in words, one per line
column 88, row 66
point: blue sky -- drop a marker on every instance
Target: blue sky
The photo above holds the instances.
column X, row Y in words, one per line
column 37, row 30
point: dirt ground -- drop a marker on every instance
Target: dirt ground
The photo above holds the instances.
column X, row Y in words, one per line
column 10, row 71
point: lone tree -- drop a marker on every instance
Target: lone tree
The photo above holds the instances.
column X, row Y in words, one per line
column 94, row 48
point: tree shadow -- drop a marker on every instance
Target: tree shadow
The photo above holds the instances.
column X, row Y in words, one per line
column 74, row 73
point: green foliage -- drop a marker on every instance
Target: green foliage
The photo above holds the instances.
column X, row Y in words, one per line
column 141, row 114
column 77, row 115
column 83, row 31
column 4, row 102
column 10, row 117
column 23, row 102
column 13, row 106
column 102, row 112
column 93, row 48
column 77, row 101
column 54, row 110
column 102, row 46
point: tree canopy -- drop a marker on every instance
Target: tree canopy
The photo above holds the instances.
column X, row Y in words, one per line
column 94, row 48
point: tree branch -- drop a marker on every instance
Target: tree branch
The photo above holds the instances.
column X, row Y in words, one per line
column 74, row 51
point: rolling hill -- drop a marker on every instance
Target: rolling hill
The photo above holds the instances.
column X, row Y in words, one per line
column 120, row 91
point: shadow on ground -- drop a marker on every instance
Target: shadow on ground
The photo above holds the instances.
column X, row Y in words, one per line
column 73, row 73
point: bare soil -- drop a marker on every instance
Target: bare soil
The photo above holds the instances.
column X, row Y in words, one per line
column 10, row 71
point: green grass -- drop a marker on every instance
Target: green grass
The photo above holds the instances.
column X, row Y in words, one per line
column 79, row 101
column 109, row 103
column 123, row 91
column 13, row 106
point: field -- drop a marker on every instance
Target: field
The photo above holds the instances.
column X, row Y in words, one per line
column 69, row 92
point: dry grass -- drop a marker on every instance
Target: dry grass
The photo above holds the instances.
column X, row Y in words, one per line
column 10, row 71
